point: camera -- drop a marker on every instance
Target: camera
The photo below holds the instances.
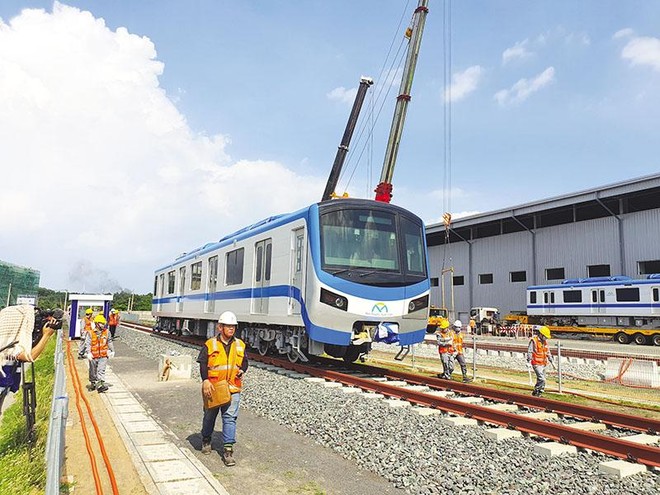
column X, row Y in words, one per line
column 51, row 317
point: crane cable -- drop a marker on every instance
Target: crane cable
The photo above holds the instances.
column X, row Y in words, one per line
column 446, row 180
column 383, row 86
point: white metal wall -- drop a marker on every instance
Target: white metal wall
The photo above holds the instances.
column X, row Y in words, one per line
column 570, row 246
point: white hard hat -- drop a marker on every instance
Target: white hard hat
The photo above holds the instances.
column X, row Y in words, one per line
column 458, row 324
column 228, row 318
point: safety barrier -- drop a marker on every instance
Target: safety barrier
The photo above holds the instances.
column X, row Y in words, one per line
column 59, row 412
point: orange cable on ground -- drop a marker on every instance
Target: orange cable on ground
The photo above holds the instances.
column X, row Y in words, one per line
column 106, row 459
column 76, row 386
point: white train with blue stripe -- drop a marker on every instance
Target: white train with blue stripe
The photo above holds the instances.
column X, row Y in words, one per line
column 616, row 301
column 330, row 278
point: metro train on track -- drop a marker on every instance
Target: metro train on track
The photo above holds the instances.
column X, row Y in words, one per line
column 331, row 277
column 616, row 302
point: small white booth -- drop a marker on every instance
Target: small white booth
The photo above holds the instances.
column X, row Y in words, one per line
column 99, row 303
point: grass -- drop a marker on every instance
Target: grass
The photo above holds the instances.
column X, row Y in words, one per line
column 23, row 467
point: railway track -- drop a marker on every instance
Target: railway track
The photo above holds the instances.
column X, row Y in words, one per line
column 461, row 399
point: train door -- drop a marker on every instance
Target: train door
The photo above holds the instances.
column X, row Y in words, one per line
column 548, row 302
column 297, row 270
column 655, row 297
column 263, row 255
column 212, row 285
column 182, row 288
column 161, row 290
column 597, row 301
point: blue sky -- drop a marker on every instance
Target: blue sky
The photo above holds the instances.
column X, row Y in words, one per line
column 149, row 128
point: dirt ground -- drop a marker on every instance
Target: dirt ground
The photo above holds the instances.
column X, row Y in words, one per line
column 77, row 477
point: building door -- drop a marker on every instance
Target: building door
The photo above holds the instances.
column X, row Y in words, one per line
column 182, row 289
column 298, row 253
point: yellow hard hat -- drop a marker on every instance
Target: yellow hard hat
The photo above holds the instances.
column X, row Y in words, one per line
column 89, row 311
column 545, row 331
column 100, row 319
column 444, row 323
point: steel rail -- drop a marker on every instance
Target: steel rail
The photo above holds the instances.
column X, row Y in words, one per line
column 612, row 418
column 643, row 454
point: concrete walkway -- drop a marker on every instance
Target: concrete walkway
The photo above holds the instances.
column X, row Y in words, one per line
column 164, row 468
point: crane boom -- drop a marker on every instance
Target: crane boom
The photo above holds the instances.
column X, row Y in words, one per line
column 330, row 186
column 384, row 189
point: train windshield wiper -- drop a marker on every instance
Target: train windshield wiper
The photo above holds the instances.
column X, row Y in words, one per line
column 370, row 272
column 337, row 272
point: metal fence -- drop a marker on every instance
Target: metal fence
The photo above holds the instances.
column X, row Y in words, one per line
column 59, row 412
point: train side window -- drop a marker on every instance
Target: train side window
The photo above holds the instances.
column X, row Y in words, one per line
column 260, row 260
column 532, row 297
column 656, row 294
column 235, row 267
column 196, row 276
column 545, row 297
column 171, row 279
column 552, row 298
column 594, row 296
column 269, row 260
column 628, row 294
column 572, row 296
column 155, row 286
column 602, row 296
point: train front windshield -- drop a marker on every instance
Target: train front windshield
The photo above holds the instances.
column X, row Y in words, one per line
column 372, row 246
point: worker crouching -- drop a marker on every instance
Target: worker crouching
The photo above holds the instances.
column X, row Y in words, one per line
column 98, row 347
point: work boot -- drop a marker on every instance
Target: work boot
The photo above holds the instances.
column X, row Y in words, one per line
column 102, row 387
column 206, row 447
column 228, row 456
column 466, row 379
column 91, row 386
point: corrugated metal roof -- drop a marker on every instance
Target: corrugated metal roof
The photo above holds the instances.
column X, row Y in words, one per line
column 607, row 191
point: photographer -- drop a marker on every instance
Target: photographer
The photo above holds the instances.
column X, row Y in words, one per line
column 20, row 328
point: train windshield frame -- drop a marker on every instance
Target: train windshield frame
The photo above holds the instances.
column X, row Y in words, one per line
column 373, row 246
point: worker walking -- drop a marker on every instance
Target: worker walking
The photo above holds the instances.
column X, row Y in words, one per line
column 538, row 357
column 98, row 349
column 473, row 325
column 222, row 358
column 86, row 324
column 458, row 349
column 445, row 349
column 113, row 321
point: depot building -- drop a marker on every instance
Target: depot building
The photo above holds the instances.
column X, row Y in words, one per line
column 491, row 258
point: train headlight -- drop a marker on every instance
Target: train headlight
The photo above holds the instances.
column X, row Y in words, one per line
column 417, row 304
column 334, row 300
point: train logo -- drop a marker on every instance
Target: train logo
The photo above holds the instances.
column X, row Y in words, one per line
column 380, row 309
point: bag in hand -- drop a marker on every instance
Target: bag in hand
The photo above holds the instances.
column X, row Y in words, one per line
column 220, row 395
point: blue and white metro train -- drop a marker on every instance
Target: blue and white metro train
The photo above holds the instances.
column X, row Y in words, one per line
column 331, row 278
column 598, row 301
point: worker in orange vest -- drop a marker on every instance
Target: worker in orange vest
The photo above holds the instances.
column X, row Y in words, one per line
column 538, row 357
column 223, row 357
column 113, row 321
column 458, row 349
column 98, row 349
column 86, row 323
column 445, row 349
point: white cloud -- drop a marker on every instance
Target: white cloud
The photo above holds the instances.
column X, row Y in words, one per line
column 98, row 165
column 623, row 33
column 342, row 94
column 643, row 51
column 463, row 83
column 524, row 88
column 517, row 51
